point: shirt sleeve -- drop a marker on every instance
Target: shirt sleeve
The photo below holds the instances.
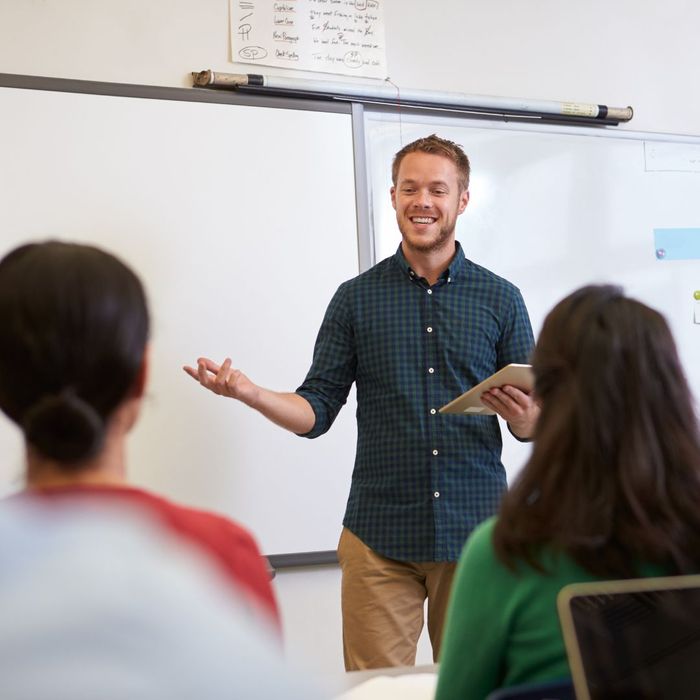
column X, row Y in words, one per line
column 334, row 366
column 472, row 659
column 517, row 437
column 516, row 341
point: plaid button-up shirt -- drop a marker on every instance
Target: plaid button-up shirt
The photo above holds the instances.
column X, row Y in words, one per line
column 422, row 480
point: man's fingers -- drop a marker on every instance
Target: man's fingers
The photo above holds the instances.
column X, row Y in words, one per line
column 506, row 400
column 505, row 405
column 208, row 364
column 203, row 375
column 515, row 406
column 222, row 374
column 220, row 379
column 491, row 402
column 517, row 396
column 496, row 396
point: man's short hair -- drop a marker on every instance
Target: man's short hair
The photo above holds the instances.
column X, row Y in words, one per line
column 440, row 147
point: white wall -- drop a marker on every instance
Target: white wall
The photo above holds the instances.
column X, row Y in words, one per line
column 642, row 53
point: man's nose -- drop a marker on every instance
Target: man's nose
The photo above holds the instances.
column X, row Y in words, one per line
column 423, row 199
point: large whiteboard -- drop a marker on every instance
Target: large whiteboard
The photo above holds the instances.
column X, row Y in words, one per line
column 554, row 208
column 241, row 221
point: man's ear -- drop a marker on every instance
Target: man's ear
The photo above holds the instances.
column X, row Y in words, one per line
column 392, row 191
column 463, row 201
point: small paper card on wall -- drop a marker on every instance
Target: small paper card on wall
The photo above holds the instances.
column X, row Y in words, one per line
column 344, row 37
column 677, row 243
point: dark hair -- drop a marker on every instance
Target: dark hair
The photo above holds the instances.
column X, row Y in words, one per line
column 437, row 146
column 614, row 476
column 73, row 330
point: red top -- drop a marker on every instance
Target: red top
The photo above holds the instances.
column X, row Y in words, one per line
column 230, row 545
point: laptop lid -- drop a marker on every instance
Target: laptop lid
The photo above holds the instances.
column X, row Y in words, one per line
column 637, row 638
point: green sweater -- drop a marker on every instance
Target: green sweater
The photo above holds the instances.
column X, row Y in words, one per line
column 503, row 627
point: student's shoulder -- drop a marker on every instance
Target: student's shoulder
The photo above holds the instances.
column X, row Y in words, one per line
column 480, row 563
column 480, row 542
column 219, row 524
column 199, row 522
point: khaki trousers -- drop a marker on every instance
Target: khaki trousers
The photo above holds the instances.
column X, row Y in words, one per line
column 382, row 602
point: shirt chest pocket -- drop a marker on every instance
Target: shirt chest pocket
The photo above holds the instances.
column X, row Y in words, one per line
column 469, row 342
column 390, row 346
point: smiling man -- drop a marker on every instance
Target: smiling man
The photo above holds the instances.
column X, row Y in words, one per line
column 429, row 193
column 413, row 332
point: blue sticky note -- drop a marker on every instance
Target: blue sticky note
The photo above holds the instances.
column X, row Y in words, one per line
column 677, row 243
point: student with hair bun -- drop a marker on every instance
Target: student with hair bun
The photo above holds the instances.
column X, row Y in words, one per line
column 74, row 330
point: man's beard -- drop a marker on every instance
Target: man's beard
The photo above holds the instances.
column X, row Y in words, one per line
column 432, row 245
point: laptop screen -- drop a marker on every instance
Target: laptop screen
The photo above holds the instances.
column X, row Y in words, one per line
column 633, row 639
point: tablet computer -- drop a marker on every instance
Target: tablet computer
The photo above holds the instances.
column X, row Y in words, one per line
column 519, row 376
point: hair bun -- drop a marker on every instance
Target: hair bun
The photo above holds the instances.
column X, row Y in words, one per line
column 64, row 427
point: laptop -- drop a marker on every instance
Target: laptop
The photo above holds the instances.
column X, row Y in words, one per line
column 638, row 638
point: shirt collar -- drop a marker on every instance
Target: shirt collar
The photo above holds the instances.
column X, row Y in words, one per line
column 457, row 265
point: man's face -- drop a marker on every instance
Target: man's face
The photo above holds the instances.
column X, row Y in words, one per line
column 427, row 199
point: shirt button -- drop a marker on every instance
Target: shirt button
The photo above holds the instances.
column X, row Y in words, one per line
column 435, row 452
column 429, row 329
column 432, row 411
column 437, row 494
column 430, row 370
column 449, row 279
column 430, row 291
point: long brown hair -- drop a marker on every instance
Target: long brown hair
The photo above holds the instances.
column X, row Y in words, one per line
column 614, row 476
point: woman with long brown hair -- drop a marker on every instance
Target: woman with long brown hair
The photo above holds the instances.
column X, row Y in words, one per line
column 611, row 490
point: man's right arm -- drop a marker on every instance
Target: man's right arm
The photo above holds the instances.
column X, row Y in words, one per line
column 288, row 410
